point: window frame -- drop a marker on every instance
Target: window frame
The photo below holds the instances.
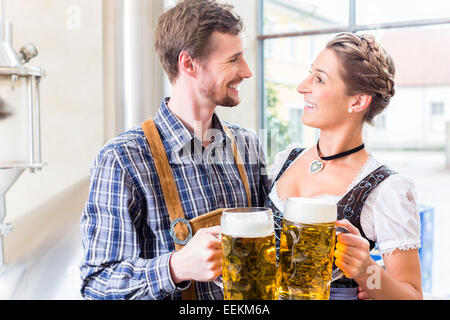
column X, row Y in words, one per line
column 352, row 27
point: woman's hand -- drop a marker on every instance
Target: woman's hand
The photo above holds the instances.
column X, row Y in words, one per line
column 400, row 280
column 352, row 251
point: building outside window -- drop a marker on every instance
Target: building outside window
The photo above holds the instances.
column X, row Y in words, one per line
column 410, row 135
column 294, row 32
column 437, row 108
column 437, row 118
column 380, row 122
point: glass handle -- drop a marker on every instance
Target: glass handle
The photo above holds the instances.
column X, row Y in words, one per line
column 338, row 273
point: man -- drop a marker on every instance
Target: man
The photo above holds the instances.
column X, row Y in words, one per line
column 129, row 250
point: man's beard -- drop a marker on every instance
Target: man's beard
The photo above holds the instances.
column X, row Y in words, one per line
column 209, row 92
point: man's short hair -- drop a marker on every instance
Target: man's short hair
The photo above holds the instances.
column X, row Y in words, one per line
column 188, row 27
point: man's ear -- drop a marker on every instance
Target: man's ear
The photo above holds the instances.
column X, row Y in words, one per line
column 186, row 64
column 361, row 102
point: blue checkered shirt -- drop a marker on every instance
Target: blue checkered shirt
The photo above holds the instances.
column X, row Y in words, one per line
column 125, row 224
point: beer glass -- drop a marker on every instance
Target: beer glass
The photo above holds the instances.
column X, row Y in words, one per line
column 249, row 254
column 307, row 243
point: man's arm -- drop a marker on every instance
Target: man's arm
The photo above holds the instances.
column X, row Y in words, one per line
column 112, row 267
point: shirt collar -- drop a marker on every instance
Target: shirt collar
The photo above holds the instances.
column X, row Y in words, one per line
column 174, row 131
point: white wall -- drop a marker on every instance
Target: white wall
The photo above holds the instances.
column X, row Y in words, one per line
column 68, row 36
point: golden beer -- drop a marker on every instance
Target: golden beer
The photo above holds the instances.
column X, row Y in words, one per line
column 250, row 267
column 307, row 242
column 249, row 254
column 306, row 261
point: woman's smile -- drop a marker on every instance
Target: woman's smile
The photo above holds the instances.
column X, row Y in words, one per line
column 310, row 106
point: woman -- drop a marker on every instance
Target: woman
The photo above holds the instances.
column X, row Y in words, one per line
column 351, row 81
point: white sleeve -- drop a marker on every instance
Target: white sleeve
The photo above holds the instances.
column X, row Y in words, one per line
column 280, row 159
column 391, row 216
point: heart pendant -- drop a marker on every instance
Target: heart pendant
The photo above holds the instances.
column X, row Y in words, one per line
column 315, row 167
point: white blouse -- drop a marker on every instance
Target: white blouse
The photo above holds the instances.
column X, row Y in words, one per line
column 390, row 215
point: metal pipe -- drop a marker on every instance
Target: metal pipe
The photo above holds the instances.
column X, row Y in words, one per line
column 138, row 85
column 11, row 65
column 7, row 178
column 30, row 85
column 37, row 120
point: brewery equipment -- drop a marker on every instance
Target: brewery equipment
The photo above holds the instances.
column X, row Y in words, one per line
column 20, row 147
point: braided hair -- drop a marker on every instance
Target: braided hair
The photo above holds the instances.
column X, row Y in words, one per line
column 366, row 69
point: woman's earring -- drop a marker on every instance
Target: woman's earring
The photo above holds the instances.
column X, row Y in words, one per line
column 350, row 110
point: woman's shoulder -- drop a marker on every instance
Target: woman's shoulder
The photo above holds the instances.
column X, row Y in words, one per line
column 394, row 207
column 398, row 188
column 395, row 180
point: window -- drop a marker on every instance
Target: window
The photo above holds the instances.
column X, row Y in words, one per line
column 293, row 33
column 437, row 120
column 437, row 108
column 284, row 16
column 410, row 134
column 388, row 11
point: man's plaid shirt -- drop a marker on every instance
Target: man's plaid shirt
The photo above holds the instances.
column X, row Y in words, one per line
column 125, row 223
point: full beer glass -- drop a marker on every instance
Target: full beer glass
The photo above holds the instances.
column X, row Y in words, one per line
column 307, row 243
column 249, row 254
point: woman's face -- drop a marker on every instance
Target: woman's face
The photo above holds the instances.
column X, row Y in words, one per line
column 326, row 101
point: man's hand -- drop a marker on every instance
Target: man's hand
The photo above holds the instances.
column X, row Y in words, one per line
column 200, row 259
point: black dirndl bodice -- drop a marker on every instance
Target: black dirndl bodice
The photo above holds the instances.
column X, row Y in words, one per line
column 349, row 206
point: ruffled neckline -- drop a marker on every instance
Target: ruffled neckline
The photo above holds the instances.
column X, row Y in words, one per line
column 370, row 165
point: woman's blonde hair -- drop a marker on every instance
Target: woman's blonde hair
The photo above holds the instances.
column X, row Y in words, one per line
column 366, row 69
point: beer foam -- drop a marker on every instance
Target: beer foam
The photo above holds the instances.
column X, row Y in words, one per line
column 310, row 210
column 247, row 224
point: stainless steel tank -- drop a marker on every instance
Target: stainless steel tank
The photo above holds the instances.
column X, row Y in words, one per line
column 20, row 147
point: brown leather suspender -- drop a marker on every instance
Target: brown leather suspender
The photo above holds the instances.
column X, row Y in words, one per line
column 240, row 166
column 181, row 232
